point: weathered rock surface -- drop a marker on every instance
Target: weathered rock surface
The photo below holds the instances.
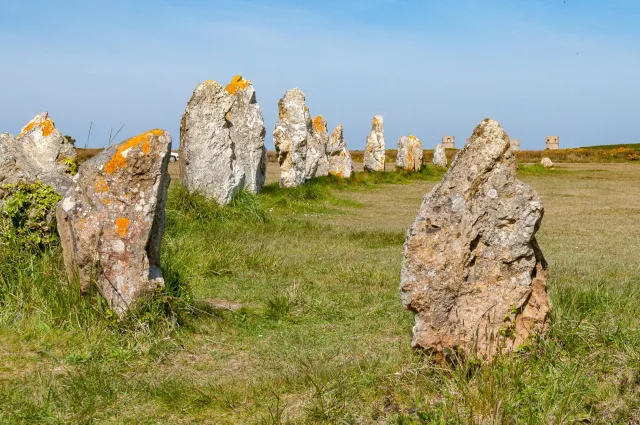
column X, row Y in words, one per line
column 409, row 153
column 374, row 153
column 317, row 164
column 473, row 273
column 546, row 162
column 291, row 138
column 439, row 156
column 339, row 157
column 247, row 133
column 112, row 219
column 207, row 155
column 39, row 153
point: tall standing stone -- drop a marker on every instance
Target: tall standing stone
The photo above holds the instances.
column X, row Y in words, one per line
column 112, row 220
column 374, row 153
column 39, row 153
column 473, row 272
column 339, row 157
column 317, row 164
column 440, row 156
column 207, row 154
column 247, row 133
column 409, row 153
column 291, row 137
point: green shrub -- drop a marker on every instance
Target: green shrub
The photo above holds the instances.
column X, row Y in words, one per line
column 27, row 214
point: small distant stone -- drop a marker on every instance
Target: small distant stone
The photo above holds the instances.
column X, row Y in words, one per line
column 317, row 164
column 112, row 220
column 410, row 153
column 546, row 162
column 440, row 156
column 39, row 153
column 374, row 153
column 339, row 157
column 472, row 271
column 291, row 137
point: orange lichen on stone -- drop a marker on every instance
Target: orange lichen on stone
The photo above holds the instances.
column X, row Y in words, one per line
column 319, row 124
column 337, row 173
column 47, row 127
column 119, row 161
column 27, row 128
column 122, row 226
column 106, row 201
column 228, row 115
column 237, row 83
column 101, row 186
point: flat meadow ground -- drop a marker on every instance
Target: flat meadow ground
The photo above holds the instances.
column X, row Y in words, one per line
column 284, row 308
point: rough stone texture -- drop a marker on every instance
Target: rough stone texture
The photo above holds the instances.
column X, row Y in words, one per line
column 472, row 271
column 291, row 137
column 439, row 156
column 546, row 162
column 374, row 153
column 340, row 162
column 39, row 153
column 409, row 153
column 247, row 133
column 112, row 219
column 207, row 154
column 515, row 145
column 317, row 164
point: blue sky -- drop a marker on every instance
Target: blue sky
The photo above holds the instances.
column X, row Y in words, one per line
column 540, row 67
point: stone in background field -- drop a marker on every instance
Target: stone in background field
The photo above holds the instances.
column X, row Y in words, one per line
column 111, row 220
column 317, row 164
column 374, row 152
column 39, row 153
column 339, row 157
column 291, row 138
column 473, row 272
column 440, row 156
column 409, row 153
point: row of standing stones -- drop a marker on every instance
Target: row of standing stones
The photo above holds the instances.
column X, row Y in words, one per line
column 472, row 273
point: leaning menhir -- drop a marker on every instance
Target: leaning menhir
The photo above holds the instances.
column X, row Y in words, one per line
column 374, row 152
column 39, row 153
column 472, row 272
column 291, row 137
column 338, row 155
column 222, row 140
column 111, row 220
column 317, row 164
column 409, row 153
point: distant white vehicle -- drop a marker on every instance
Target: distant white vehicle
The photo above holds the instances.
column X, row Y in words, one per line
column 174, row 157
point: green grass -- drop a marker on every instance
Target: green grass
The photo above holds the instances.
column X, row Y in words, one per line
column 537, row 170
column 319, row 336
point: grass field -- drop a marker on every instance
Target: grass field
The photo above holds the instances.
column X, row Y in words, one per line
column 284, row 309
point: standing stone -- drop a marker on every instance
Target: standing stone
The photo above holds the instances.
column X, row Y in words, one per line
column 112, row 219
column 409, row 153
column 374, row 153
column 247, row 133
column 340, row 163
column 291, row 137
column 473, row 272
column 546, row 162
column 317, row 164
column 207, row 159
column 440, row 156
column 40, row 153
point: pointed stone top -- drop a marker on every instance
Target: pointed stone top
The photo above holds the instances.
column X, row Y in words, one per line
column 237, row 83
column 41, row 122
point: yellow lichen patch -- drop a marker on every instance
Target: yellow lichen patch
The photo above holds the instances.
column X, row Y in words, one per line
column 228, row 115
column 237, row 83
column 106, row 201
column 319, row 124
column 376, row 121
column 47, row 127
column 119, row 161
column 412, row 138
column 27, row 128
column 122, row 226
column 101, row 186
column 337, row 173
